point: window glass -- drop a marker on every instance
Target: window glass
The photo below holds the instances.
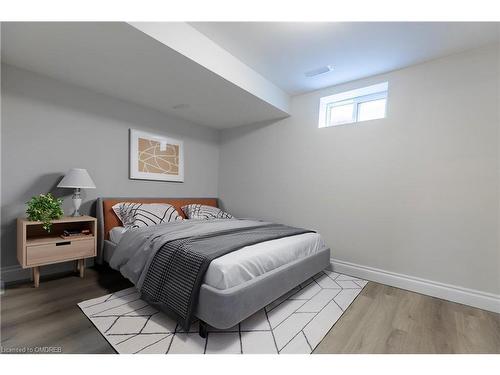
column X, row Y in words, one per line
column 341, row 114
column 371, row 110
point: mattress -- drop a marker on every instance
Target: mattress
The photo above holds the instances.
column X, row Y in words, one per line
column 252, row 261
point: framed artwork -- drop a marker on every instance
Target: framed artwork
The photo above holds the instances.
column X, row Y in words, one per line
column 155, row 157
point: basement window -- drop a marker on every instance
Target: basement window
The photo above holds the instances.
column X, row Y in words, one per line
column 363, row 104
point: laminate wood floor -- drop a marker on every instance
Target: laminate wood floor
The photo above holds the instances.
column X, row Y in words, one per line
column 382, row 319
column 49, row 315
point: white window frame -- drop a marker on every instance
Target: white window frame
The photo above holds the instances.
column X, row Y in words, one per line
column 356, row 97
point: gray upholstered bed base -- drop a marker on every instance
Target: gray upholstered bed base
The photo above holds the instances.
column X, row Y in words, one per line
column 226, row 308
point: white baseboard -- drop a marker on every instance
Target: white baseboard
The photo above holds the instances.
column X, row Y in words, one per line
column 17, row 273
column 470, row 297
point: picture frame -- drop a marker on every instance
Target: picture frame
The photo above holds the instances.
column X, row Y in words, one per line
column 155, row 157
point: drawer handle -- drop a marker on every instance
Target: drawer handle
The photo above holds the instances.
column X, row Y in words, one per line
column 63, row 243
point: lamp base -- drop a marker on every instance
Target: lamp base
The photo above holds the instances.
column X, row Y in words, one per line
column 77, row 201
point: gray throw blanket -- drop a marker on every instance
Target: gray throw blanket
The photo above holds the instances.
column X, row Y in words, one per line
column 137, row 248
column 174, row 277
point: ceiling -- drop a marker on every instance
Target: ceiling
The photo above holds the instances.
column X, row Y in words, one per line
column 283, row 52
column 119, row 60
column 123, row 61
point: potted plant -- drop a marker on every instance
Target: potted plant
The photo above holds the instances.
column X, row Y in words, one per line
column 44, row 208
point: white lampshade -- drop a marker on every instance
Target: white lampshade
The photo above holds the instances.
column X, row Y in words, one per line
column 77, row 178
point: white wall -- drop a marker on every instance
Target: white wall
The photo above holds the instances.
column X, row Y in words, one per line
column 49, row 127
column 416, row 193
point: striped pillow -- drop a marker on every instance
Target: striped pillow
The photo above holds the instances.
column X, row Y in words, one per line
column 202, row 212
column 138, row 215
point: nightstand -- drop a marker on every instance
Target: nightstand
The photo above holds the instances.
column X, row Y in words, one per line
column 36, row 247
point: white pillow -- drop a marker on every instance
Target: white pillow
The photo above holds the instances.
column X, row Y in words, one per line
column 138, row 215
column 202, row 212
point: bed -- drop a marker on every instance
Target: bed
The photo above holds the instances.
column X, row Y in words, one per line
column 237, row 284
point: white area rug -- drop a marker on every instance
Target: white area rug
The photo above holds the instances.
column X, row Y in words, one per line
column 294, row 323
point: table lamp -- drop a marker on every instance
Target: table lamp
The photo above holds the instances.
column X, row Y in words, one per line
column 77, row 178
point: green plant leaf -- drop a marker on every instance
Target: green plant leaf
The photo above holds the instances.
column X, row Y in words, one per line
column 44, row 208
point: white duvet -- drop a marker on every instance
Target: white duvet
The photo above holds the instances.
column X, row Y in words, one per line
column 252, row 261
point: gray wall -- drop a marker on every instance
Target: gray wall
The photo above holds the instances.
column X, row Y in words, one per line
column 49, row 127
column 415, row 193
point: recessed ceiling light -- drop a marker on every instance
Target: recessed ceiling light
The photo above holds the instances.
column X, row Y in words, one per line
column 318, row 71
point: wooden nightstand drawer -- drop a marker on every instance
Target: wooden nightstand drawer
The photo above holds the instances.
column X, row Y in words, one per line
column 60, row 251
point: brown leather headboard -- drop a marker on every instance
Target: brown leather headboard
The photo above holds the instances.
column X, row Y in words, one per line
column 110, row 220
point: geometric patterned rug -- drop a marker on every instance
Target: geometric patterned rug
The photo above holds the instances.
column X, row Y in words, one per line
column 294, row 323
